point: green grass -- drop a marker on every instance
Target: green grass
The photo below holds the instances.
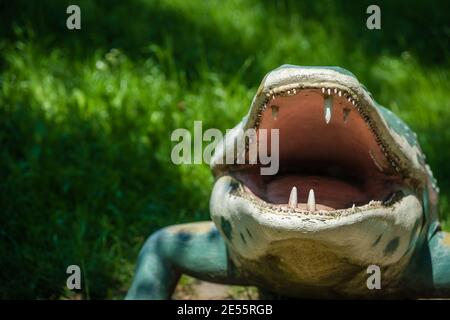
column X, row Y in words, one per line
column 86, row 116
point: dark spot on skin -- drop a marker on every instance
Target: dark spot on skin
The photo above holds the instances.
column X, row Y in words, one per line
column 234, row 185
column 249, row 234
column 378, row 240
column 184, row 236
column 225, row 225
column 243, row 239
column 213, row 233
column 392, row 246
column 231, row 267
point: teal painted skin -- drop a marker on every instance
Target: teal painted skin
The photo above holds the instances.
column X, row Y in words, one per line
column 168, row 253
column 202, row 249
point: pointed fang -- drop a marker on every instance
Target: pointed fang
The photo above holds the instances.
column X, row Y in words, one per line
column 311, row 205
column 328, row 106
column 293, row 198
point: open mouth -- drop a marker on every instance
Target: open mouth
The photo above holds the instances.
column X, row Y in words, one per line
column 329, row 155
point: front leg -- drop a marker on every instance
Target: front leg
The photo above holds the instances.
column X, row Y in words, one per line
column 196, row 249
column 440, row 259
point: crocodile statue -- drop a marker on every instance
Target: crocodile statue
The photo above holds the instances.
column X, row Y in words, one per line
column 353, row 190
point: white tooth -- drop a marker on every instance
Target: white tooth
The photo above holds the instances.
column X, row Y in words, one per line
column 353, row 207
column 323, row 90
column 311, row 205
column 335, row 90
column 329, row 91
column 275, row 110
column 293, row 198
column 340, row 93
column 327, row 108
column 295, row 91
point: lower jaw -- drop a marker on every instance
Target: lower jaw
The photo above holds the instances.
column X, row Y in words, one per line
column 321, row 211
column 366, row 235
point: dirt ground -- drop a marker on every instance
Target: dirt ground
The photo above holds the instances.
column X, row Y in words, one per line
column 193, row 289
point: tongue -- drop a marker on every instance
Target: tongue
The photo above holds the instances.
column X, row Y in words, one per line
column 329, row 193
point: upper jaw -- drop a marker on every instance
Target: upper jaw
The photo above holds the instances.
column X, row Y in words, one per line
column 405, row 158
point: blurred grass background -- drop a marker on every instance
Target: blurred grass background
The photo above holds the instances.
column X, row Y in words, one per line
column 86, row 116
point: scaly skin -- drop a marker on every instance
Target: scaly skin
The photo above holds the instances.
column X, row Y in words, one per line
column 247, row 245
